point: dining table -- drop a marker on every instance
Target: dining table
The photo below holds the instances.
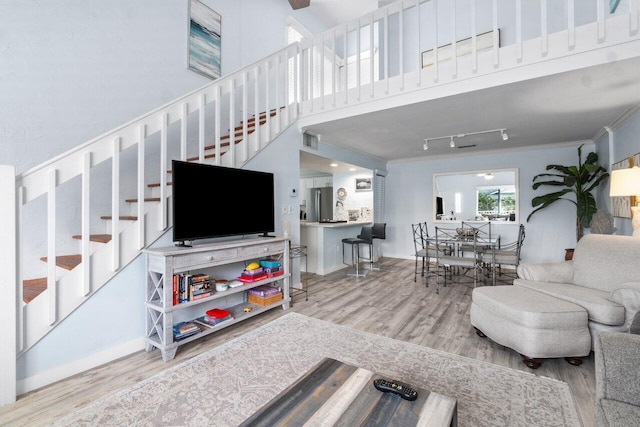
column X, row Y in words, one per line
column 482, row 243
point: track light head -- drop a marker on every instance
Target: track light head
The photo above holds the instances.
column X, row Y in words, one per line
column 452, row 144
column 425, row 147
column 503, row 132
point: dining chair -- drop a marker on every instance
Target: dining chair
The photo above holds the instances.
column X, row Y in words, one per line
column 456, row 258
column 423, row 249
column 507, row 254
column 483, row 231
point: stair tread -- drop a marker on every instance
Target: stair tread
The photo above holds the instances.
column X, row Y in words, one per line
column 157, row 184
column 100, row 238
column 147, row 199
column 123, row 218
column 68, row 262
column 31, row 288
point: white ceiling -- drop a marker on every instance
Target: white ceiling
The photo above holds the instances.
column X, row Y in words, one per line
column 311, row 164
column 568, row 107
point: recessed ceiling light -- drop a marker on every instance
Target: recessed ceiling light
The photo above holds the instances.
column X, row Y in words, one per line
column 352, row 169
column 334, row 165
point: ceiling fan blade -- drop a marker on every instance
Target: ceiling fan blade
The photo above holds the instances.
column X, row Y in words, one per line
column 299, row 4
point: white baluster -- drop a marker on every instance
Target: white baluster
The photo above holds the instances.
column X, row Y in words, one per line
column 142, row 134
column 217, row 99
column 401, row 45
column 334, row 66
column 278, row 116
column 436, row 55
column 454, row 43
column 633, row 17
column 571, row 23
column 600, row 14
column 419, row 82
column 183, row 131
column 358, row 59
column 346, row 64
column 311, row 75
column 267, row 102
column 232, row 122
column 474, row 38
column 52, row 284
column 386, row 50
column 371, row 64
column 322, row 62
column 115, row 203
column 19, row 302
column 544, row 32
column 519, row 30
column 256, row 111
column 296, row 82
column 163, row 171
column 496, row 40
column 201, row 128
column 85, row 224
column 245, row 105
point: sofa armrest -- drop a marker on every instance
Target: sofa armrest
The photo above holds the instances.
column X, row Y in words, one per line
column 557, row 272
column 628, row 295
column 617, row 357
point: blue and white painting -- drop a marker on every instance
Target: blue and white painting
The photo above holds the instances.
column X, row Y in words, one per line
column 204, row 40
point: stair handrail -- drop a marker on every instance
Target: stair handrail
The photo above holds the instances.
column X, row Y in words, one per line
column 23, row 178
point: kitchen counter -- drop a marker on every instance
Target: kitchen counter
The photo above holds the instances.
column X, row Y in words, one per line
column 324, row 243
column 334, row 224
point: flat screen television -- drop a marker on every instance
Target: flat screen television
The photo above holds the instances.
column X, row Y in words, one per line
column 214, row 201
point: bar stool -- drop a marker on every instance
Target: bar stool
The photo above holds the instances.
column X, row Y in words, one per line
column 365, row 237
column 378, row 231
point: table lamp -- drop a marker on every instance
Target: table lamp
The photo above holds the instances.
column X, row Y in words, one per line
column 626, row 182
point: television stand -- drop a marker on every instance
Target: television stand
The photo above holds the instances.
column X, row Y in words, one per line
column 214, row 259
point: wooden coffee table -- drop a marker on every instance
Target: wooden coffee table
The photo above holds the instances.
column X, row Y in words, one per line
column 334, row 393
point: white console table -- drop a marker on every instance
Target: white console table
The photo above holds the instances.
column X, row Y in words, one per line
column 163, row 263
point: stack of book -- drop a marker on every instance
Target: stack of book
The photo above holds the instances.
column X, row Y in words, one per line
column 272, row 267
column 214, row 317
column 183, row 330
column 253, row 275
column 191, row 287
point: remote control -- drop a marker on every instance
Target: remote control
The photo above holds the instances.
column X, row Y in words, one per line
column 395, row 387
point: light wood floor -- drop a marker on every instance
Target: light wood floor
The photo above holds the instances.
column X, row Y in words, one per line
column 386, row 302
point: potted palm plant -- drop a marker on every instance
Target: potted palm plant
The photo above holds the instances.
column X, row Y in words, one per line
column 576, row 184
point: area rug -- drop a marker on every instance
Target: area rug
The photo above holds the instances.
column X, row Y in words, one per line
column 225, row 385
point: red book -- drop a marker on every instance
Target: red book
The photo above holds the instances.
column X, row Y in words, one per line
column 217, row 313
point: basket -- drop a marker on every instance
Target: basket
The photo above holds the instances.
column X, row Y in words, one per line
column 264, row 301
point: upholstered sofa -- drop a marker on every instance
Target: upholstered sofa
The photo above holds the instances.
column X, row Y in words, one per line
column 617, row 379
column 603, row 278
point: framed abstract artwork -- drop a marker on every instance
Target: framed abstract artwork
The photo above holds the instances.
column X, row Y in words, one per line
column 205, row 40
column 363, row 184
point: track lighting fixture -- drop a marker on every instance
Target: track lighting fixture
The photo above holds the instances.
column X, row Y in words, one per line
column 452, row 143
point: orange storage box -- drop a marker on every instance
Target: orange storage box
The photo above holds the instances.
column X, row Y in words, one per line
column 264, row 301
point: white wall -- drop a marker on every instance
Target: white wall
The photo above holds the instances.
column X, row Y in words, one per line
column 409, row 187
column 622, row 143
column 355, row 199
column 73, row 70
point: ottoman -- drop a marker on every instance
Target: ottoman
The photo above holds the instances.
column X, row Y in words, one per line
column 534, row 324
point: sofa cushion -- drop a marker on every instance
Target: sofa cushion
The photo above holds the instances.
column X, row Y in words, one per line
column 614, row 413
column 596, row 302
column 604, row 262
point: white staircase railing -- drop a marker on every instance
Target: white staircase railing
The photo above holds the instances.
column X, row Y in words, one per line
column 256, row 105
column 390, row 51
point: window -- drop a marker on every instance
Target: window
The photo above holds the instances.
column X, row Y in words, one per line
column 497, row 202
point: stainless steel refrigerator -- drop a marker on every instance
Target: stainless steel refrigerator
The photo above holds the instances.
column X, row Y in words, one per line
column 320, row 204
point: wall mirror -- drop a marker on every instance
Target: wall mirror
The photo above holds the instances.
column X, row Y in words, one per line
column 485, row 195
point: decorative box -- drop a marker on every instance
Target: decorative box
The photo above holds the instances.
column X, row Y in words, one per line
column 254, row 299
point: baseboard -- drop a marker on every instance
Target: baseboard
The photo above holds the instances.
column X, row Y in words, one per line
column 58, row 373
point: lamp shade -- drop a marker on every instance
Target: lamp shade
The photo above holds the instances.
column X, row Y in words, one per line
column 625, row 182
